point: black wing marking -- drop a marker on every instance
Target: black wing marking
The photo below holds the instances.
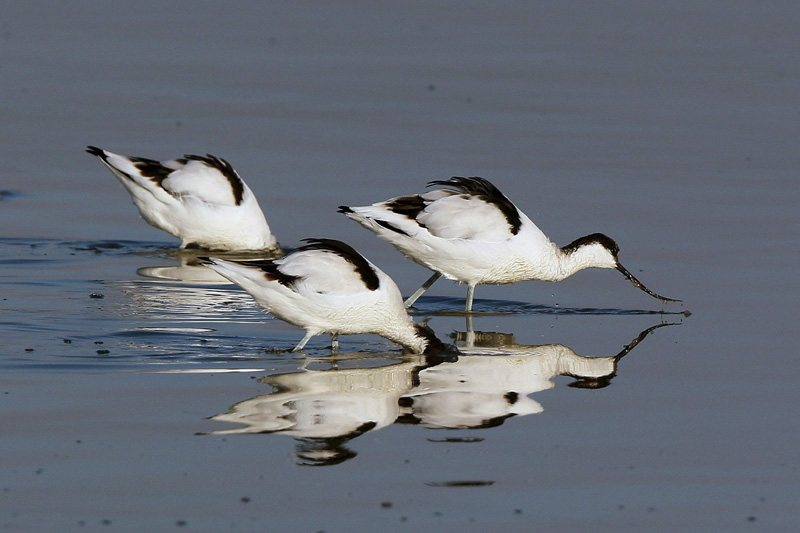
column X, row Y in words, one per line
column 390, row 227
column 268, row 266
column 156, row 172
column 149, row 168
column 410, row 206
column 483, row 189
column 362, row 266
column 272, row 272
column 94, row 150
column 237, row 185
column 410, row 213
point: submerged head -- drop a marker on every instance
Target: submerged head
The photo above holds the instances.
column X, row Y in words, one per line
column 600, row 251
column 432, row 344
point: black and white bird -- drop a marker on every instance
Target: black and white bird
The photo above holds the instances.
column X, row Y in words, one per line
column 468, row 231
column 201, row 200
column 326, row 286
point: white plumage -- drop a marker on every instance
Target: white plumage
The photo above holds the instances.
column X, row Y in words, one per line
column 328, row 287
column 468, row 231
column 201, row 200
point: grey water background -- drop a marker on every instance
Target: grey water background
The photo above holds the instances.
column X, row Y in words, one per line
column 670, row 126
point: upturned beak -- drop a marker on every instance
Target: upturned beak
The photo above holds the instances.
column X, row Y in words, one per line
column 640, row 285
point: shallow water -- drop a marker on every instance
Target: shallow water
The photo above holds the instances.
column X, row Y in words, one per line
column 133, row 399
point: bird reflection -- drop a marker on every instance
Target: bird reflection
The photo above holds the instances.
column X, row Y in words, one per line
column 488, row 382
column 186, row 303
column 190, row 270
column 186, row 291
column 493, row 379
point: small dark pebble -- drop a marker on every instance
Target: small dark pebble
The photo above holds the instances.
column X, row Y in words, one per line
column 180, row 523
column 28, row 349
column 245, row 499
column 751, row 518
column 67, row 341
column 103, row 352
column 517, row 511
column 386, row 505
column 98, row 342
column 96, row 295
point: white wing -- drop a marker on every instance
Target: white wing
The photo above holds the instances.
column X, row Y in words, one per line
column 203, row 181
column 322, row 272
column 464, row 217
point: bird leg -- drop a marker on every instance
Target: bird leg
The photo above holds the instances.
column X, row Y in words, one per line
column 302, row 343
column 334, row 343
column 469, row 338
column 470, row 298
column 425, row 286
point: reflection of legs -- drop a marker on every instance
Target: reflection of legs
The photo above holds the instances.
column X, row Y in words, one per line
column 334, row 343
column 470, row 297
column 425, row 286
column 470, row 336
column 301, row 345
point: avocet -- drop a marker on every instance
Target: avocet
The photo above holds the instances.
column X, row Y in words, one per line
column 201, row 200
column 326, row 286
column 468, row 231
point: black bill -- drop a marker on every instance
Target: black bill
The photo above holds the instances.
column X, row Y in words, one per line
column 640, row 285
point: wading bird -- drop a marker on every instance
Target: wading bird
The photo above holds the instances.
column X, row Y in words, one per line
column 199, row 199
column 468, row 231
column 326, row 286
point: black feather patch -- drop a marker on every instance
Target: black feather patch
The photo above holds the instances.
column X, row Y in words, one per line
column 483, row 189
column 267, row 266
column 595, row 238
column 151, row 168
column 94, row 150
column 390, row 227
column 271, row 272
column 410, row 206
column 237, row 185
column 362, row 266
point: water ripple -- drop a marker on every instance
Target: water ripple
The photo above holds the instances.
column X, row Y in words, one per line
column 444, row 306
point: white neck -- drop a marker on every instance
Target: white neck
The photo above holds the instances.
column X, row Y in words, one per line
column 553, row 264
column 408, row 338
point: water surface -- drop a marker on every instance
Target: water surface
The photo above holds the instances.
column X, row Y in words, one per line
column 133, row 399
